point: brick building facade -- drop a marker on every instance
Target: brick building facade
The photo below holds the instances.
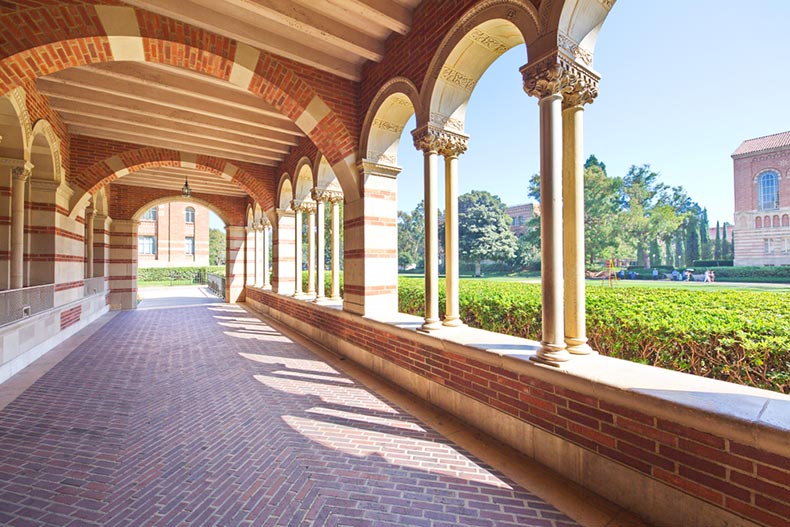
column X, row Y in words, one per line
column 172, row 235
column 521, row 214
column 762, row 200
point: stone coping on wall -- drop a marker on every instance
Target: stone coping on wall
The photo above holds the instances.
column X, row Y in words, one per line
column 752, row 416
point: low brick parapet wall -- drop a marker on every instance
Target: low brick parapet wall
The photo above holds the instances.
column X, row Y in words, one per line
column 675, row 448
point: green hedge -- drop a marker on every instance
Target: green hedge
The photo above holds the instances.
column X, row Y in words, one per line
column 327, row 282
column 736, row 336
column 162, row 274
column 778, row 274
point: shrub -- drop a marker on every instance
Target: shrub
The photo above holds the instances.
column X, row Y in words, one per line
column 736, row 336
column 712, row 263
column 163, row 274
column 327, row 282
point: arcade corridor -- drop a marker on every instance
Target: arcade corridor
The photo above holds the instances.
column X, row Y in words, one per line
column 205, row 415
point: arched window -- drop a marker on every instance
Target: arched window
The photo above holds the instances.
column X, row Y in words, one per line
column 767, row 222
column 189, row 215
column 785, row 220
column 776, row 221
column 768, row 190
column 758, row 222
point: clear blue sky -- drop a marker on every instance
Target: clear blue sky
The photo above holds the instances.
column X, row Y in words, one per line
column 683, row 83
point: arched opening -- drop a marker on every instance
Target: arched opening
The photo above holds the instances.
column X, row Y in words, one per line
column 329, row 233
column 44, row 244
column 12, row 152
column 304, row 207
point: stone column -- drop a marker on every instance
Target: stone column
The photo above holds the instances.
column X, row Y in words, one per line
column 310, row 208
column 283, row 252
column 335, row 199
column 19, row 176
column 427, row 140
column 90, row 213
column 249, row 255
column 453, row 145
column 265, row 226
column 546, row 79
column 259, row 271
column 320, row 243
column 297, row 207
column 582, row 90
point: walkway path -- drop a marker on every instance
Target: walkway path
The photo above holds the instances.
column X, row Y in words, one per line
column 204, row 415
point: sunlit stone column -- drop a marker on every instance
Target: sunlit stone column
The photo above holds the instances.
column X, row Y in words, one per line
column 265, row 236
column 427, row 140
column 90, row 214
column 453, row 145
column 310, row 208
column 249, row 255
column 297, row 207
column 258, row 254
column 546, row 79
column 320, row 243
column 582, row 90
column 19, row 177
column 283, row 281
column 335, row 199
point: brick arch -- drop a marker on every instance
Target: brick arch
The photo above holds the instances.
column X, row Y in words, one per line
column 102, row 173
column 225, row 209
column 78, row 35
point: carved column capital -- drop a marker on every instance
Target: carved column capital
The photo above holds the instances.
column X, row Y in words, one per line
column 444, row 142
column 21, row 173
column 303, row 206
column 557, row 74
column 332, row 196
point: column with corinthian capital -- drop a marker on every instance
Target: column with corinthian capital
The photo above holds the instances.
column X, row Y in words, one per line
column 582, row 89
column 546, row 79
column 310, row 208
column 452, row 145
column 19, row 177
column 297, row 208
column 335, row 198
column 427, row 140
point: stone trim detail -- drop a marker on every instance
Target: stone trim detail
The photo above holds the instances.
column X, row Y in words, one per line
column 558, row 74
column 429, row 138
column 331, row 196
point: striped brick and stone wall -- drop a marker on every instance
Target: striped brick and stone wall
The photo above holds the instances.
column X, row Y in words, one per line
column 677, row 449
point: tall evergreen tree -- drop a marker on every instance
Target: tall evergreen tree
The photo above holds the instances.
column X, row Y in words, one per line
column 717, row 247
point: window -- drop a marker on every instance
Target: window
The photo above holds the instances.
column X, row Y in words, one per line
column 146, row 244
column 150, row 214
column 768, row 190
column 189, row 245
column 189, row 215
column 776, row 221
column 785, row 220
column 758, row 223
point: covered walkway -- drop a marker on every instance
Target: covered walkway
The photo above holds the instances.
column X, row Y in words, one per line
column 206, row 415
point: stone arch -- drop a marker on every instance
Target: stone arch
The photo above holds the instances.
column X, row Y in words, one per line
column 303, row 181
column 45, row 153
column 222, row 214
column 325, row 178
column 250, row 216
column 477, row 39
column 102, row 173
column 16, row 136
column 121, row 33
column 285, row 192
column 396, row 101
column 257, row 214
column 576, row 24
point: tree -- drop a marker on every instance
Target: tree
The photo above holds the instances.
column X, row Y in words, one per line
column 411, row 238
column 484, row 229
column 717, row 247
column 216, row 247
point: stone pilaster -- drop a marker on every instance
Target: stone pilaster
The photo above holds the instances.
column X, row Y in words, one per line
column 90, row 214
column 123, row 264
column 283, row 252
column 235, row 258
column 19, row 177
column 101, row 245
column 371, row 240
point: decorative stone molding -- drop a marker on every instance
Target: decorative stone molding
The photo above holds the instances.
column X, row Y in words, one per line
column 574, row 49
column 332, row 196
column 303, row 206
column 559, row 74
column 428, row 138
column 21, row 173
column 448, row 123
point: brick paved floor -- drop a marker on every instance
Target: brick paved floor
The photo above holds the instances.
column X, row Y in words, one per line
column 204, row 415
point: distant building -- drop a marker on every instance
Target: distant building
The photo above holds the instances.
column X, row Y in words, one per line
column 521, row 214
column 762, row 200
column 727, row 226
column 173, row 235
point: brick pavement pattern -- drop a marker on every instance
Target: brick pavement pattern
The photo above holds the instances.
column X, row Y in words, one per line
column 204, row 415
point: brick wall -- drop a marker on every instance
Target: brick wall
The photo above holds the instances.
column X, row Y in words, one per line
column 725, row 472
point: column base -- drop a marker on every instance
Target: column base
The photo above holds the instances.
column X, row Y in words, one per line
column 551, row 354
column 321, row 300
column 454, row 322
column 430, row 324
column 579, row 347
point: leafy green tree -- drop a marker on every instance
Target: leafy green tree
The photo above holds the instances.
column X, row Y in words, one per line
column 411, row 237
column 216, row 247
column 484, row 229
column 717, row 246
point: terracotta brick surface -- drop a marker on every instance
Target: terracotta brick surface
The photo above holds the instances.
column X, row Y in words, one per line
column 711, row 467
column 203, row 415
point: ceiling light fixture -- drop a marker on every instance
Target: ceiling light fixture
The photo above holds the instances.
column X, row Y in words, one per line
column 185, row 190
